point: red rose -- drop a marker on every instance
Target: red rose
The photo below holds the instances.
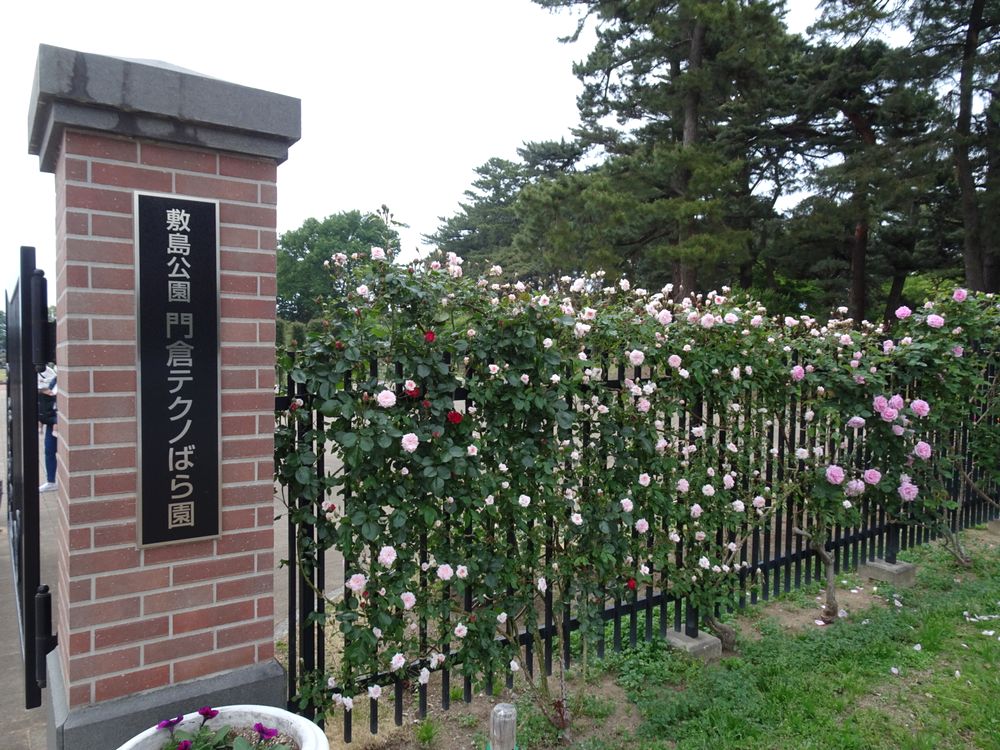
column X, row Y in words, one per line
column 339, row 346
column 631, row 584
column 413, row 393
column 454, row 417
column 436, row 434
column 429, row 337
column 426, row 404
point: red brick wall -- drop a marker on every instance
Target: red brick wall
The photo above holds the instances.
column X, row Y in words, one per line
column 131, row 620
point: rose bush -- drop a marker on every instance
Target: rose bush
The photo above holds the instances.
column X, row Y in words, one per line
column 603, row 439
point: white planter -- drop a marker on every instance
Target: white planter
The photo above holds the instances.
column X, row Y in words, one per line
column 304, row 732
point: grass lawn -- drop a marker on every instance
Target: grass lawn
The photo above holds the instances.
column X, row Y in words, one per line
column 910, row 669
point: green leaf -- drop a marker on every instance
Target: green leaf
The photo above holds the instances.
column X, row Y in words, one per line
column 370, row 531
column 241, row 744
column 303, row 474
column 346, row 439
column 423, row 370
column 329, row 408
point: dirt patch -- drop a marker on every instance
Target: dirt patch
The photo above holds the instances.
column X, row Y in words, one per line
column 797, row 615
column 600, row 709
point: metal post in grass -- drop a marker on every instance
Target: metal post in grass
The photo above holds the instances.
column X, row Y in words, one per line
column 503, row 727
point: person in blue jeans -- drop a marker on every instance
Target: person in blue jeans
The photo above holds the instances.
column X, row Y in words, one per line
column 47, row 416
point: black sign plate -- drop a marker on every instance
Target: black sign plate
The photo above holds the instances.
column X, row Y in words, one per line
column 177, row 289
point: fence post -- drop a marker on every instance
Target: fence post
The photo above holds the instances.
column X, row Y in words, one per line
column 503, row 727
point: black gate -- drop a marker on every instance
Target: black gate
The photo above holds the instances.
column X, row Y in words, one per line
column 30, row 345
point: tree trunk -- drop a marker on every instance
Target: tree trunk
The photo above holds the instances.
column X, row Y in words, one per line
column 725, row 633
column 830, row 607
column 972, row 252
column 859, row 279
column 895, row 297
column 685, row 271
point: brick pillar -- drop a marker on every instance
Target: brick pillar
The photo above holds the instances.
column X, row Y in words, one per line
column 148, row 632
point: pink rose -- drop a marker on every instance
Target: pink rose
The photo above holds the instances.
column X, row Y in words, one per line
column 959, row 295
column 872, row 476
column 908, row 492
column 834, row 474
column 889, row 414
column 683, row 485
column 922, row 450
column 644, row 480
column 636, row 357
column 696, row 511
column 387, row 556
column 642, row 526
column 386, row 399
column 879, row 403
column 896, row 402
column 409, row 442
column 903, row 312
column 674, row 361
column 856, row 423
column 920, row 407
column 935, row 321
column 409, row 599
column 798, row 373
column 444, row 572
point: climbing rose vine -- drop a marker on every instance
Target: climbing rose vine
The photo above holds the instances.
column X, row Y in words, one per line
column 606, row 439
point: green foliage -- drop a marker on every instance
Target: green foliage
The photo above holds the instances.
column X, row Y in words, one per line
column 303, row 283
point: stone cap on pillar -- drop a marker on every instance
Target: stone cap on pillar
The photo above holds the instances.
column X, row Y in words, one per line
column 155, row 100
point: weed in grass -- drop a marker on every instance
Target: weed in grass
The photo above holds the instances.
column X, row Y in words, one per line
column 533, row 729
column 468, row 721
column 456, row 693
column 594, row 706
column 426, row 732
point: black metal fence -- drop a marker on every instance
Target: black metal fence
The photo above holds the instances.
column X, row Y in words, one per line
column 30, row 346
column 778, row 559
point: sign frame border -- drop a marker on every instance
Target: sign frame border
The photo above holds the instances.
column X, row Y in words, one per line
column 138, row 365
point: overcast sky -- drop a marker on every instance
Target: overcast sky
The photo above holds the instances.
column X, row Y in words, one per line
column 401, row 99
